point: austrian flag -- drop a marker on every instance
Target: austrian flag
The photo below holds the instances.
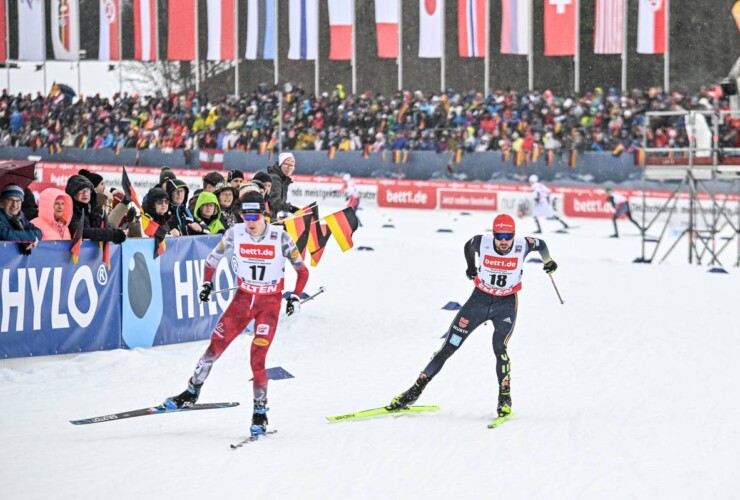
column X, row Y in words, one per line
column 211, row 158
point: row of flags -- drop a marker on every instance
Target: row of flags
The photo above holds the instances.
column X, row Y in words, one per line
column 311, row 232
column 223, row 33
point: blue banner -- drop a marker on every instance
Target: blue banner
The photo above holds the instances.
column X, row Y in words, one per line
column 49, row 305
column 160, row 302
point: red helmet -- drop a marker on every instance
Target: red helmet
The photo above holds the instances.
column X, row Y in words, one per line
column 504, row 223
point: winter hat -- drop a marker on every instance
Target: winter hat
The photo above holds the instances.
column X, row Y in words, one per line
column 284, row 156
column 262, row 177
column 235, row 174
column 213, row 178
column 157, row 193
column 77, row 183
column 12, row 191
column 91, row 176
column 252, row 202
column 504, row 223
column 225, row 186
column 165, row 174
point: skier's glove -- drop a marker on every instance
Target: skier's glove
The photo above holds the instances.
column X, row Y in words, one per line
column 550, row 266
column 293, row 303
column 471, row 273
column 205, row 293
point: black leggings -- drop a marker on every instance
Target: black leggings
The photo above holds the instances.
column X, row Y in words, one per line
column 479, row 308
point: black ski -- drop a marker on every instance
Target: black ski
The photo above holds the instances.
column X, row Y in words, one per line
column 250, row 439
column 156, row 410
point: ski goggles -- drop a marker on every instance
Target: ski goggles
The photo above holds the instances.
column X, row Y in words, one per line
column 504, row 236
column 251, row 217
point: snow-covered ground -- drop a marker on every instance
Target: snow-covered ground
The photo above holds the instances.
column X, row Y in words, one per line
column 629, row 390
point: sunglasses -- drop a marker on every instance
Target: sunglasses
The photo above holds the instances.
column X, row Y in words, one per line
column 504, row 236
column 251, row 216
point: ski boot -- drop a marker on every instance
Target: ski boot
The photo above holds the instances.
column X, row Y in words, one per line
column 409, row 396
column 185, row 399
column 504, row 404
column 259, row 418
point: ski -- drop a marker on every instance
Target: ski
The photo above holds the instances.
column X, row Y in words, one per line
column 155, row 410
column 500, row 420
column 250, row 439
column 378, row 412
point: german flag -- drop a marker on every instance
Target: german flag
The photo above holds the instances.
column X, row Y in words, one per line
column 397, row 156
column 118, row 148
column 77, row 238
column 366, row 151
column 320, row 234
column 332, row 151
column 640, row 157
column 154, row 230
column 618, row 150
column 299, row 229
column 405, row 156
column 518, row 158
column 342, row 225
column 458, row 155
column 572, row 158
column 128, row 188
column 262, row 147
column 505, row 155
column 535, row 154
column 549, row 157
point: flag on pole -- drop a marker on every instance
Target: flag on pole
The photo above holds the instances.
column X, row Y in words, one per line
column 515, row 19
column 560, row 27
column 430, row 28
column 145, row 30
column 651, row 27
column 77, row 238
column 109, row 45
column 342, row 225
column 386, row 28
column 573, row 158
column 128, row 188
column 220, row 30
column 31, row 30
column 154, row 230
column 298, row 227
column 302, row 27
column 261, row 29
column 340, row 30
column 181, row 30
column 609, row 27
column 3, row 34
column 211, row 158
column 471, row 28
column 65, row 29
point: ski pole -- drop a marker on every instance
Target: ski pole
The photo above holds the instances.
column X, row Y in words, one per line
column 552, row 280
column 321, row 290
column 225, row 289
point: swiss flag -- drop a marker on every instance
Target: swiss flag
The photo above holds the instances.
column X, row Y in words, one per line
column 560, row 27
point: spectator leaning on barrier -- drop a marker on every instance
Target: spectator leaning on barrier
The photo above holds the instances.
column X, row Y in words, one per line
column 55, row 213
column 208, row 211
column 95, row 224
column 157, row 208
column 13, row 224
column 280, row 176
column 185, row 222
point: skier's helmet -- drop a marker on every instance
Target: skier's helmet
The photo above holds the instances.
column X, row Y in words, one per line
column 533, row 178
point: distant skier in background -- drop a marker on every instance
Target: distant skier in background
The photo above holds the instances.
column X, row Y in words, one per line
column 621, row 207
column 497, row 278
column 542, row 203
column 352, row 195
column 263, row 251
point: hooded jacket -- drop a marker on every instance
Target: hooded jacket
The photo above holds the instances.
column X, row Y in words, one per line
column 95, row 224
column 181, row 215
column 45, row 220
column 279, row 192
column 214, row 224
column 150, row 208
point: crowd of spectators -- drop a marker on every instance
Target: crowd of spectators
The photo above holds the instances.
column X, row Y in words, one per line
column 596, row 120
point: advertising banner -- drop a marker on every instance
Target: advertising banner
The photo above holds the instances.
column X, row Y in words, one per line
column 49, row 305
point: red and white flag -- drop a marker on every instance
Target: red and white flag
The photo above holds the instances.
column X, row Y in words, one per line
column 221, row 30
column 471, row 28
column 515, row 26
column 31, row 30
column 145, row 30
column 3, row 34
column 181, row 30
column 211, row 158
column 340, row 30
column 651, row 27
column 560, row 27
column 109, row 46
column 609, row 27
column 431, row 16
column 386, row 28
column 65, row 29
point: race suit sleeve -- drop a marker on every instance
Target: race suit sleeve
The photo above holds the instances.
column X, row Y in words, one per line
column 225, row 245
column 291, row 252
column 472, row 247
column 538, row 245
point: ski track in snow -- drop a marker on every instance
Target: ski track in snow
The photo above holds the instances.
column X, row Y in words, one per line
column 626, row 391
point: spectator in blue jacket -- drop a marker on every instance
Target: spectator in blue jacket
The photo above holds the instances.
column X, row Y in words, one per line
column 13, row 224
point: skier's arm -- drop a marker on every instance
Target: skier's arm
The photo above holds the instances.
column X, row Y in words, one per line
column 472, row 247
column 224, row 246
column 541, row 247
column 291, row 252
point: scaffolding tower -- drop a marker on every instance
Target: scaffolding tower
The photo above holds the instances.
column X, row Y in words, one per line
column 708, row 179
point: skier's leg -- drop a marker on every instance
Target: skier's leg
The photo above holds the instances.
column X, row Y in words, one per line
column 504, row 321
column 265, row 323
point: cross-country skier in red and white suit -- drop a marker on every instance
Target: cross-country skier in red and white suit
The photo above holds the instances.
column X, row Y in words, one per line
column 261, row 251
